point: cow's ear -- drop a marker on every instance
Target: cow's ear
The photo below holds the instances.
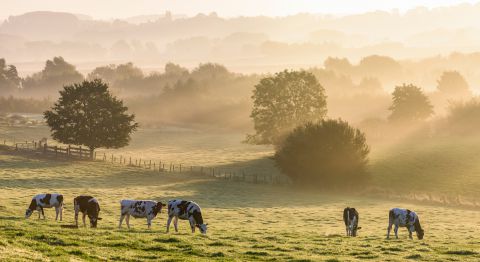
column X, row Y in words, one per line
column 359, row 228
column 163, row 205
column 99, row 218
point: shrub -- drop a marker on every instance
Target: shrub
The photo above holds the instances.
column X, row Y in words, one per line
column 329, row 152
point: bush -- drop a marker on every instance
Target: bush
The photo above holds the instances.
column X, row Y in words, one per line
column 329, row 152
column 463, row 118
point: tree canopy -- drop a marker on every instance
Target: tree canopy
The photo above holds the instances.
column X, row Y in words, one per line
column 453, row 85
column 329, row 152
column 409, row 104
column 87, row 114
column 9, row 79
column 57, row 72
column 284, row 101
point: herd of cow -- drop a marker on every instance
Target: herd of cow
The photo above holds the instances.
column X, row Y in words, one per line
column 89, row 206
column 187, row 210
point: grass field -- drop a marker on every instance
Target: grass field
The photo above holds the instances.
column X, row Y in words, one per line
column 246, row 222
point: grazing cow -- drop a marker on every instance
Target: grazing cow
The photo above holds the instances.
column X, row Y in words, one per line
column 351, row 218
column 185, row 210
column 139, row 209
column 41, row 201
column 404, row 218
column 89, row 206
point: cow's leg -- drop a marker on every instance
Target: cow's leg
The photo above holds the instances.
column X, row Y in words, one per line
column 389, row 229
column 149, row 222
column 57, row 212
column 61, row 212
column 39, row 213
column 192, row 224
column 83, row 219
column 175, row 223
column 409, row 233
column 396, row 231
column 43, row 213
column 121, row 220
column 76, row 216
column 127, row 220
column 168, row 222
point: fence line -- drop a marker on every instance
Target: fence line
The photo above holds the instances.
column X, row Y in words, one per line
column 72, row 152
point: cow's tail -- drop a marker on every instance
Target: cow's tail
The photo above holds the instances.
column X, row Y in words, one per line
column 391, row 216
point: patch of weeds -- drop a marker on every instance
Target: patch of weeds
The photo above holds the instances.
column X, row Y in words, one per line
column 256, row 253
column 262, row 246
column 167, row 240
column 53, row 241
column 76, row 252
column 219, row 244
column 392, row 249
column 332, row 260
column 155, row 248
column 367, row 256
column 217, row 254
column 414, row 256
column 461, row 252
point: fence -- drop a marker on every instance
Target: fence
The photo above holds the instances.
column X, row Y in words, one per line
column 223, row 173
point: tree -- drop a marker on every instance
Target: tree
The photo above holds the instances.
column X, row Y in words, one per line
column 57, row 73
column 9, row 79
column 87, row 114
column 453, row 85
column 327, row 153
column 410, row 104
column 284, row 101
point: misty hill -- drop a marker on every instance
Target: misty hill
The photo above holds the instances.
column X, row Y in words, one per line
column 243, row 43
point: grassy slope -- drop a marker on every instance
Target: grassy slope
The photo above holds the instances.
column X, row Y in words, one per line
column 449, row 166
column 246, row 222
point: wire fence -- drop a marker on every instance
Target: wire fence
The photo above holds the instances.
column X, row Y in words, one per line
column 78, row 153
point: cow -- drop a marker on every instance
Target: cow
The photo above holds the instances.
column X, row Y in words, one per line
column 404, row 218
column 139, row 209
column 351, row 218
column 89, row 206
column 185, row 210
column 41, row 201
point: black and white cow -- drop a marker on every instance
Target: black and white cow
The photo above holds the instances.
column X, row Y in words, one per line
column 351, row 219
column 185, row 210
column 89, row 206
column 41, row 201
column 139, row 209
column 404, row 218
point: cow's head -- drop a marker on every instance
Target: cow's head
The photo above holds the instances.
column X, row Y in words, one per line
column 420, row 234
column 418, row 229
column 158, row 207
column 94, row 221
column 28, row 213
column 203, row 228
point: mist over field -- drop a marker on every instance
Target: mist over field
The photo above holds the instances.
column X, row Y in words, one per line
column 272, row 121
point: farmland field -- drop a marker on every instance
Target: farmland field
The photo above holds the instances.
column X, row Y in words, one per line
column 246, row 221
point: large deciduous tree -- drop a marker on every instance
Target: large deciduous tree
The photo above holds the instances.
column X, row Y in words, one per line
column 284, row 101
column 87, row 114
column 410, row 104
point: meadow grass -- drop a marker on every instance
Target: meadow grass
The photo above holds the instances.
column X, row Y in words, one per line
column 246, row 221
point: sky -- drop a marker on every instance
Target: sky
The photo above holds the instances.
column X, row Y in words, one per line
column 109, row 9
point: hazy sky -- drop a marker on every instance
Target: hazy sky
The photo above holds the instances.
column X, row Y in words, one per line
column 106, row 9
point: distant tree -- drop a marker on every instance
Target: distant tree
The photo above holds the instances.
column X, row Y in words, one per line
column 57, row 73
column 9, row 79
column 87, row 114
column 327, row 153
column 370, row 85
column 284, row 101
column 453, row 85
column 410, row 104
column 463, row 118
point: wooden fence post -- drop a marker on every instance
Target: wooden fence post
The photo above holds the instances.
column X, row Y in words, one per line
column 180, row 168
column 130, row 162
column 112, row 158
column 95, row 156
column 150, row 166
column 16, row 146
